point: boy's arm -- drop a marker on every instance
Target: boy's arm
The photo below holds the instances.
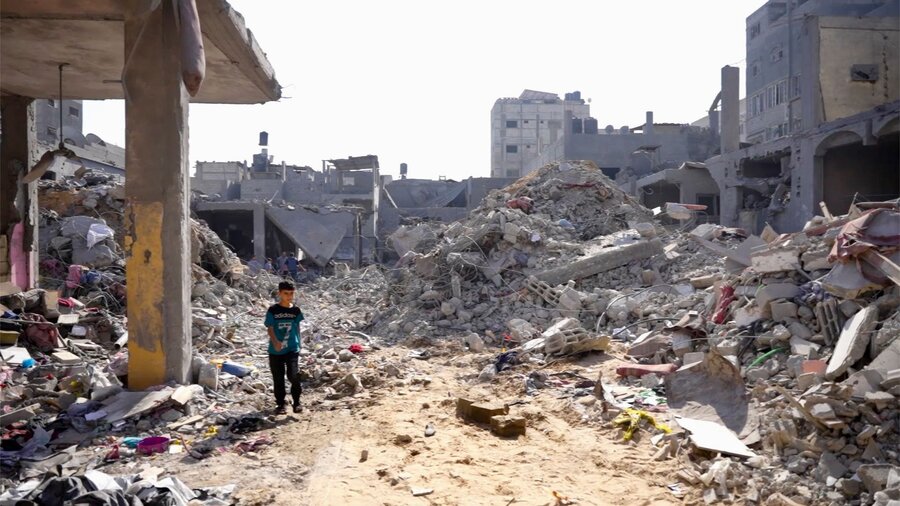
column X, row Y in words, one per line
column 272, row 339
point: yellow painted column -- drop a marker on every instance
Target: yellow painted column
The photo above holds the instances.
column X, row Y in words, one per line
column 156, row 187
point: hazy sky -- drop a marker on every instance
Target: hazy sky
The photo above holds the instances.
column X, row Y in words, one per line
column 414, row 81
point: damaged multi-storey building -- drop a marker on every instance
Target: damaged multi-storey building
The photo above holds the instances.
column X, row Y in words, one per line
column 343, row 212
column 823, row 117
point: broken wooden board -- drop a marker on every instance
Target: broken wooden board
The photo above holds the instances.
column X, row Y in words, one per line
column 714, row 437
column 884, row 264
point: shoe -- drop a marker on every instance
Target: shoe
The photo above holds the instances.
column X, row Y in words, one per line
column 281, row 410
column 298, row 408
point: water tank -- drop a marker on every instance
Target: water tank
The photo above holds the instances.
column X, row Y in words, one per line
column 577, row 126
column 403, row 170
column 574, row 96
column 591, row 126
column 624, row 130
column 609, row 129
column 264, row 138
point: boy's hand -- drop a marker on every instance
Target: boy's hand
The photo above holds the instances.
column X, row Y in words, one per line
column 278, row 345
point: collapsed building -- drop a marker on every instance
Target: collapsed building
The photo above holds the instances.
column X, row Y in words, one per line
column 343, row 212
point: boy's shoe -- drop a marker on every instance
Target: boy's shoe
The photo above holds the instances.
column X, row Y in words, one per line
column 298, row 408
column 281, row 410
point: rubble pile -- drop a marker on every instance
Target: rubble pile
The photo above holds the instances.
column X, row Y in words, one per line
column 776, row 355
column 767, row 367
column 565, row 221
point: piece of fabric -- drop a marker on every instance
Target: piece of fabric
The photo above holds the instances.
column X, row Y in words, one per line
column 878, row 229
column 282, row 365
column 42, row 334
column 285, row 323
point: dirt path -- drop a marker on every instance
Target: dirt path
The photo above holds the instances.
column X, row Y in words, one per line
column 316, row 457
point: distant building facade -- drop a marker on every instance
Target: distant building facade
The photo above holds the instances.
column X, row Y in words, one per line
column 783, row 60
column 523, row 128
column 90, row 150
column 836, row 138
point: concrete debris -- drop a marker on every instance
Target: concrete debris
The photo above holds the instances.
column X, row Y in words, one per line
column 767, row 349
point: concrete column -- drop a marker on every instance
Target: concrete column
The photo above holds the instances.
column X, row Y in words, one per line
column 259, row 233
column 648, row 124
column 730, row 116
column 158, row 237
column 18, row 201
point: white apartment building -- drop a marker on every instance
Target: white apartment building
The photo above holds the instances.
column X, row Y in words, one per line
column 521, row 128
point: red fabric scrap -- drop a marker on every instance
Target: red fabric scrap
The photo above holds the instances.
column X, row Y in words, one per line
column 356, row 348
column 725, row 300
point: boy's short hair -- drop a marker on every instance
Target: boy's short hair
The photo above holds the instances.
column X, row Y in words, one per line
column 286, row 285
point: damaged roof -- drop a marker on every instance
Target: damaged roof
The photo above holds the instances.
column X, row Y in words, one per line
column 35, row 37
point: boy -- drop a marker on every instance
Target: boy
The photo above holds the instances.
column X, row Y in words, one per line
column 283, row 326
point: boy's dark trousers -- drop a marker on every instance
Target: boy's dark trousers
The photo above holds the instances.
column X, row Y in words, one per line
column 281, row 365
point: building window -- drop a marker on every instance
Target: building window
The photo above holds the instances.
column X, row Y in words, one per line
column 73, row 111
column 777, row 54
column 512, row 148
column 51, row 103
column 528, row 146
column 348, row 181
column 525, row 121
column 542, row 122
column 512, row 173
column 795, row 86
column 754, row 69
column 754, row 30
column 512, row 124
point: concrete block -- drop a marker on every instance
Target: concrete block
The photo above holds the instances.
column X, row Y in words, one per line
column 604, row 260
column 508, row 426
column 852, row 342
column 66, row 358
column 479, row 413
column 782, row 311
column 774, row 291
column 808, row 380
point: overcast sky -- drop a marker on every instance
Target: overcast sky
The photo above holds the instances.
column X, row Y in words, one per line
column 414, row 81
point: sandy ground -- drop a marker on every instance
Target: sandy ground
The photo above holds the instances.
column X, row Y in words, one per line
column 316, row 457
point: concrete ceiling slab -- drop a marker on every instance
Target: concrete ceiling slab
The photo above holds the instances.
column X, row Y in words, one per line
column 35, row 37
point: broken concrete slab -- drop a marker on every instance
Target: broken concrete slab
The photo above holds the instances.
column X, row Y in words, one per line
column 830, row 468
column 888, row 359
column 19, row 415
column 774, row 260
column 846, row 281
column 126, row 405
column 713, row 390
column 852, row 343
column 601, row 261
column 715, row 437
column 508, row 426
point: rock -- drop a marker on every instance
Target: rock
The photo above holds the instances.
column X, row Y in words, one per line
column 473, row 343
column 874, row 476
column 830, row 468
column 330, row 355
column 171, row 415
column 448, row 309
column 345, row 355
column 757, row 374
column 848, row 487
column 651, row 380
column 521, row 330
column 392, row 371
column 822, row 411
column 646, row 230
column 402, row 439
column 782, row 311
column 803, row 347
column 507, row 426
column 487, row 374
